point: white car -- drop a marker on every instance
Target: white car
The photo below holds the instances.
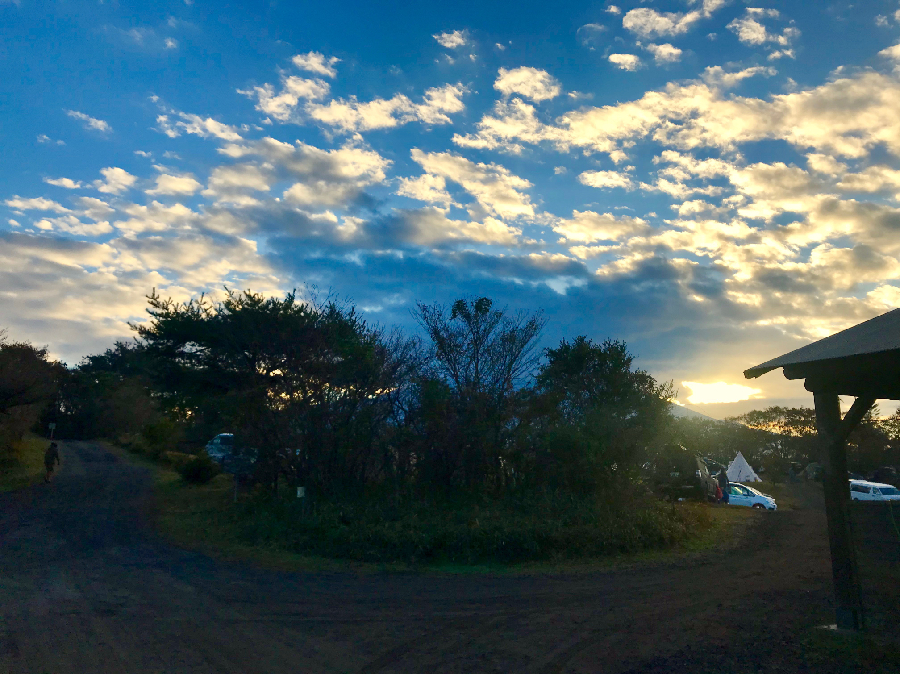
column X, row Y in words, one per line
column 864, row 491
column 742, row 495
column 220, row 447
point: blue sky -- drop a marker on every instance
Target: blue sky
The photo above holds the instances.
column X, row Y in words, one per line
column 714, row 182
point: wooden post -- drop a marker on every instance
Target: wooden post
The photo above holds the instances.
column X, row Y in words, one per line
column 844, row 568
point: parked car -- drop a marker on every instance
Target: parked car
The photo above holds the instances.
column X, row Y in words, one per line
column 744, row 495
column 220, row 447
column 865, row 491
column 679, row 474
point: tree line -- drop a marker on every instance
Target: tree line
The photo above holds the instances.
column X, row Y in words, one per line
column 321, row 398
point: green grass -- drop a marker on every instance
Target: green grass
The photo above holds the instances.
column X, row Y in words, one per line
column 785, row 494
column 274, row 535
column 26, row 464
column 526, row 537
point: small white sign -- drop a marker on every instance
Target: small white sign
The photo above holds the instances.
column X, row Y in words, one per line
column 301, row 492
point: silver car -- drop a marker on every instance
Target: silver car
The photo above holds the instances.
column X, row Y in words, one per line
column 744, row 495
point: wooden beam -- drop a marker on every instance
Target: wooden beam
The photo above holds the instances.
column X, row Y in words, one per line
column 854, row 416
column 844, row 567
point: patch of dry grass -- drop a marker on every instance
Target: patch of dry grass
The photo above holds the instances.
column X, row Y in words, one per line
column 25, row 466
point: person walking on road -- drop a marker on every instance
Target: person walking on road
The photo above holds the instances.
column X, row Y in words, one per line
column 51, row 459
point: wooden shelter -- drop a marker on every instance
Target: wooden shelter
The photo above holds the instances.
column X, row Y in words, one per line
column 864, row 362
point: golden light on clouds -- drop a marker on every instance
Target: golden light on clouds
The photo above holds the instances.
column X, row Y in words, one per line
column 719, row 392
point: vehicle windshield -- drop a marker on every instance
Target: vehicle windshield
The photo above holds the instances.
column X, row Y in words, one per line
column 889, row 491
column 226, row 440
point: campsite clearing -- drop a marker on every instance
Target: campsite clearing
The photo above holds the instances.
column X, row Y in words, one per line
column 81, row 547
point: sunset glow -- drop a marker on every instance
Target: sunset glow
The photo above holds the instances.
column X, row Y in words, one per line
column 719, row 392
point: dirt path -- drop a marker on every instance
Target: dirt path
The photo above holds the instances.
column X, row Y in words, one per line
column 85, row 586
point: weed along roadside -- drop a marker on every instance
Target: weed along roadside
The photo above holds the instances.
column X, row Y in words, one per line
column 24, row 464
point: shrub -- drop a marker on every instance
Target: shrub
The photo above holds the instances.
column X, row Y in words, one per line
column 199, row 470
column 177, row 460
column 470, row 530
column 161, row 435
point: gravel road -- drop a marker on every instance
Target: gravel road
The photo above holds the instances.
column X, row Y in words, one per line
column 85, row 585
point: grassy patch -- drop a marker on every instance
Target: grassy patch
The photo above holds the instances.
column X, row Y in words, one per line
column 785, row 494
column 25, row 465
column 496, row 538
column 533, row 535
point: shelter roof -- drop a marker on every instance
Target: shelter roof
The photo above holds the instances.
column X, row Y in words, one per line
column 880, row 335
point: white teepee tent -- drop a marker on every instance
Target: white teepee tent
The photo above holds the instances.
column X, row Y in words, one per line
column 741, row 472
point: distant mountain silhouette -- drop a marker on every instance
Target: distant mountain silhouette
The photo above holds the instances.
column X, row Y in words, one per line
column 683, row 411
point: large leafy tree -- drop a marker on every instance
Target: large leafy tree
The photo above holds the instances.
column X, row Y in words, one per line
column 308, row 385
column 594, row 413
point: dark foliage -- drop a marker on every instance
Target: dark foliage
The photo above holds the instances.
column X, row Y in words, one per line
column 199, row 469
column 29, row 384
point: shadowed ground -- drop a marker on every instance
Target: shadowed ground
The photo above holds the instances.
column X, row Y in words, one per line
column 86, row 586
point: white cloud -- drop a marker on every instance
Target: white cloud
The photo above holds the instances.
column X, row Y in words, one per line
column 95, row 209
column 143, row 153
column 64, row 182
column 174, row 184
column 199, row 126
column 426, row 188
column 171, row 43
column 238, row 178
column 325, row 177
column 45, row 139
column 349, row 115
column 282, row 105
column 648, row 23
column 613, row 9
column 625, row 61
column 719, row 77
column 315, row 62
column 511, row 122
column 589, row 226
column 115, row 180
column 751, row 31
column 538, row 85
column 871, row 179
column 606, row 179
column 497, row 190
column 781, row 54
column 90, row 122
column 72, row 225
column 452, row 40
column 156, row 217
column 35, row 204
column 825, row 164
column 664, row 53
column 891, row 52
column 431, row 225
column 84, row 293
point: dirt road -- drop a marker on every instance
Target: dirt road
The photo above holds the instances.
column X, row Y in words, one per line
column 86, row 586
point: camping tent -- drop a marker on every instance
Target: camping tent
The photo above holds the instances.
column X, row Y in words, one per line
column 741, row 472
